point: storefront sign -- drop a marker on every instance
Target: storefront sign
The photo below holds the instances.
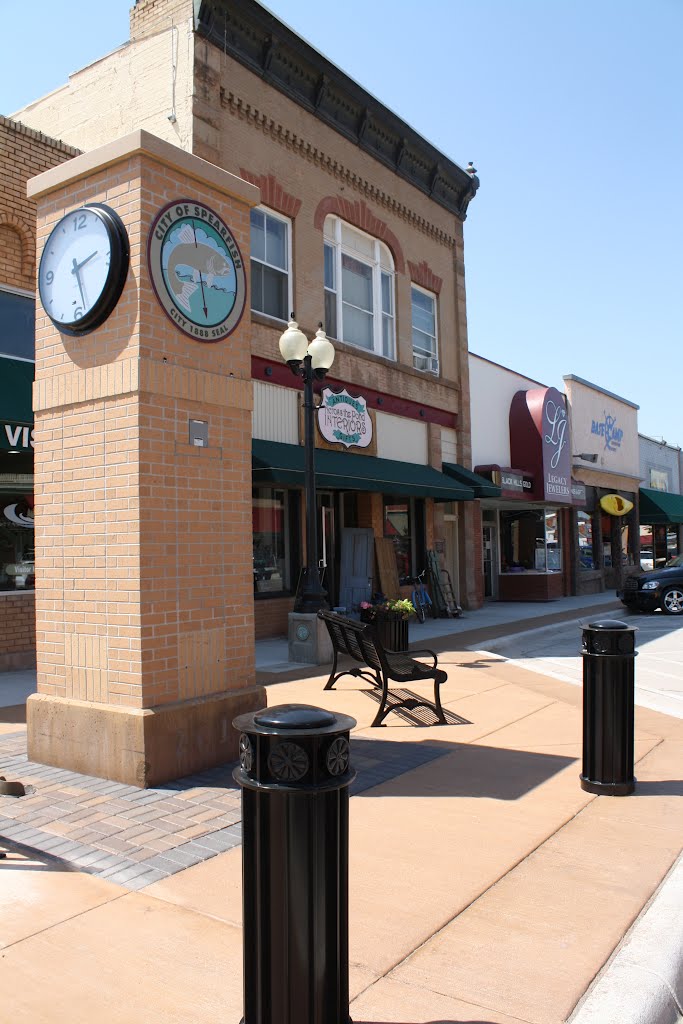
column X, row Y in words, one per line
column 578, row 493
column 513, row 483
column 615, row 505
column 607, row 429
column 197, row 270
column 16, row 436
column 344, row 419
column 20, row 513
column 539, row 439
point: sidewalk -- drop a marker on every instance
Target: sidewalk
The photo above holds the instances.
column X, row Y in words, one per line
column 485, row 886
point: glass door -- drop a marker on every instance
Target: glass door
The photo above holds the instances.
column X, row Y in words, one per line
column 489, row 560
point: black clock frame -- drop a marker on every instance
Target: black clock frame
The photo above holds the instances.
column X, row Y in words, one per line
column 116, row 276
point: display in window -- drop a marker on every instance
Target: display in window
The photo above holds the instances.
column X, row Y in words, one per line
column 530, row 541
column 270, row 538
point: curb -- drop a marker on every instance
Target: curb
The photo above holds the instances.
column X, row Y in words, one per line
column 643, row 982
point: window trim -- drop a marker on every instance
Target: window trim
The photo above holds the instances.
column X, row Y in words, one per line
column 269, row 212
column 375, row 263
column 435, row 367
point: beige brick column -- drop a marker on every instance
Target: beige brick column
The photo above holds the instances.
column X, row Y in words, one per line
column 144, row 590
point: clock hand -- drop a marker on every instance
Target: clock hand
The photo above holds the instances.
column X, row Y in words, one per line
column 87, row 259
column 76, row 270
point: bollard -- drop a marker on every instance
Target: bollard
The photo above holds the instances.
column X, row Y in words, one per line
column 295, row 772
column 608, row 705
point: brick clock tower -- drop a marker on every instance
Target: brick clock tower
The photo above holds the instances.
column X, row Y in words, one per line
column 142, row 399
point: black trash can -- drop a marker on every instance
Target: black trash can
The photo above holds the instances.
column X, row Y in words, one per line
column 295, row 772
column 608, row 707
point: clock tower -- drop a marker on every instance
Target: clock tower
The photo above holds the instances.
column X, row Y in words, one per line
column 144, row 576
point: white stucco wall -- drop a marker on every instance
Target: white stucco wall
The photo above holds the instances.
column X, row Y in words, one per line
column 605, row 425
column 492, row 388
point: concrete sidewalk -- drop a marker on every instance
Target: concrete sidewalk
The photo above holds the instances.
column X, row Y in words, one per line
column 485, row 886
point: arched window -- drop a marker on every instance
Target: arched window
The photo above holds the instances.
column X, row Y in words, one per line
column 359, row 289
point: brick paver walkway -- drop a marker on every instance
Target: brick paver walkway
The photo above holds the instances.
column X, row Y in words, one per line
column 137, row 836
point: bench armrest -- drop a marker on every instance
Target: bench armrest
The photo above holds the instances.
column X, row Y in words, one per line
column 420, row 653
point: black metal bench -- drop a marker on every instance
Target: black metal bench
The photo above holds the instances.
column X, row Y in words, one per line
column 379, row 666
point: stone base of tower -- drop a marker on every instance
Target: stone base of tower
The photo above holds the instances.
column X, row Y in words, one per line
column 139, row 747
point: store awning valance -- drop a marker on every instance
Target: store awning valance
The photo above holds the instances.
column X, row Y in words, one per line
column 482, row 487
column 16, row 381
column 276, row 463
column 659, row 508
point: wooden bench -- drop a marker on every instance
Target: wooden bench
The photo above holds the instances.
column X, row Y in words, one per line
column 380, row 667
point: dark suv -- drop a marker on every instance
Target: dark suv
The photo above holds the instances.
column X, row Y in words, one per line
column 658, row 588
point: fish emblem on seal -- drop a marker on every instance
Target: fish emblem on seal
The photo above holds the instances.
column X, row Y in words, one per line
column 204, row 262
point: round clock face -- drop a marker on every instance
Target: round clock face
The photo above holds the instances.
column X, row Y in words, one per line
column 197, row 270
column 83, row 268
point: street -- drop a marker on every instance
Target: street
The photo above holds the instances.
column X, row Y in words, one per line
column 556, row 651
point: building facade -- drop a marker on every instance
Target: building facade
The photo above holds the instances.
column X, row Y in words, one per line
column 23, row 154
column 360, row 227
column 661, row 502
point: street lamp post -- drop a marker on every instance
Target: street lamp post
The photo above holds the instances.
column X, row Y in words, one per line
column 311, row 362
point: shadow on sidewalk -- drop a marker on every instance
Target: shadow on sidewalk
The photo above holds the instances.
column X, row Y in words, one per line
column 476, row 771
column 440, row 1021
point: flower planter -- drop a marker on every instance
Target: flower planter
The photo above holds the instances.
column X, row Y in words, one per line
column 392, row 632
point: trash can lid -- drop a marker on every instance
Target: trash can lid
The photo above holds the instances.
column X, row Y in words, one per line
column 609, row 624
column 294, row 716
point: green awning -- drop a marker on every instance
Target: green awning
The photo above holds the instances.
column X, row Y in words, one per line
column 482, row 487
column 659, row 508
column 16, row 401
column 276, row 463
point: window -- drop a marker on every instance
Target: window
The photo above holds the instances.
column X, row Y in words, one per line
column 587, row 558
column 270, row 522
column 359, row 289
column 530, row 540
column 404, row 523
column 17, row 324
column 425, row 353
column 270, row 263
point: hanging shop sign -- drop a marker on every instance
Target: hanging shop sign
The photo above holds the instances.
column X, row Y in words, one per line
column 615, row 505
column 578, row 493
column 539, row 440
column 197, row 270
column 513, row 483
column 344, row 419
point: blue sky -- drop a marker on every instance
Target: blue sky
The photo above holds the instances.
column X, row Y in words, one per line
column 570, row 110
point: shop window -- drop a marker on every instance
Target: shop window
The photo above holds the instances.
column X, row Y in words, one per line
column 587, row 558
column 270, row 264
column 425, row 352
column 17, row 557
column 271, row 533
column 530, row 541
column 359, row 289
column 17, row 324
column 404, row 524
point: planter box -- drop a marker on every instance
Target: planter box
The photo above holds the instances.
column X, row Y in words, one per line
column 392, row 632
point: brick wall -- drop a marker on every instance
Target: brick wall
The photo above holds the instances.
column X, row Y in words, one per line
column 17, row 631
column 23, row 154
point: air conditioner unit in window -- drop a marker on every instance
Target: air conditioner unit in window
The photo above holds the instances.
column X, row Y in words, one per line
column 430, row 363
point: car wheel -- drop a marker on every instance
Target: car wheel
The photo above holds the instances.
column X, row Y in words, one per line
column 672, row 601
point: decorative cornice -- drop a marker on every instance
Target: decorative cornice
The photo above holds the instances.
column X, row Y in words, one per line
column 21, row 129
column 361, row 216
column 308, row 151
column 421, row 274
column 273, row 194
column 253, row 36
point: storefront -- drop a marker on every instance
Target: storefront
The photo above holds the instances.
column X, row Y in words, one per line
column 604, row 458
column 366, row 496
column 16, row 475
column 661, row 502
column 525, row 527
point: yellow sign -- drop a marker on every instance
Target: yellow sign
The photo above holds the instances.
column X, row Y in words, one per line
column 615, row 504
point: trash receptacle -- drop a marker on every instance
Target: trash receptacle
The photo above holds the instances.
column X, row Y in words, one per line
column 608, row 707
column 295, row 771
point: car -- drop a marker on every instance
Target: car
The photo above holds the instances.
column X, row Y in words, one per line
column 658, row 588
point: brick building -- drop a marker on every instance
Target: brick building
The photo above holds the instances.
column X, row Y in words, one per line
column 360, row 226
column 23, row 154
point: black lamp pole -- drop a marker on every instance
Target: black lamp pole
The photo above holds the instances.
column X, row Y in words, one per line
column 300, row 357
column 312, row 596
